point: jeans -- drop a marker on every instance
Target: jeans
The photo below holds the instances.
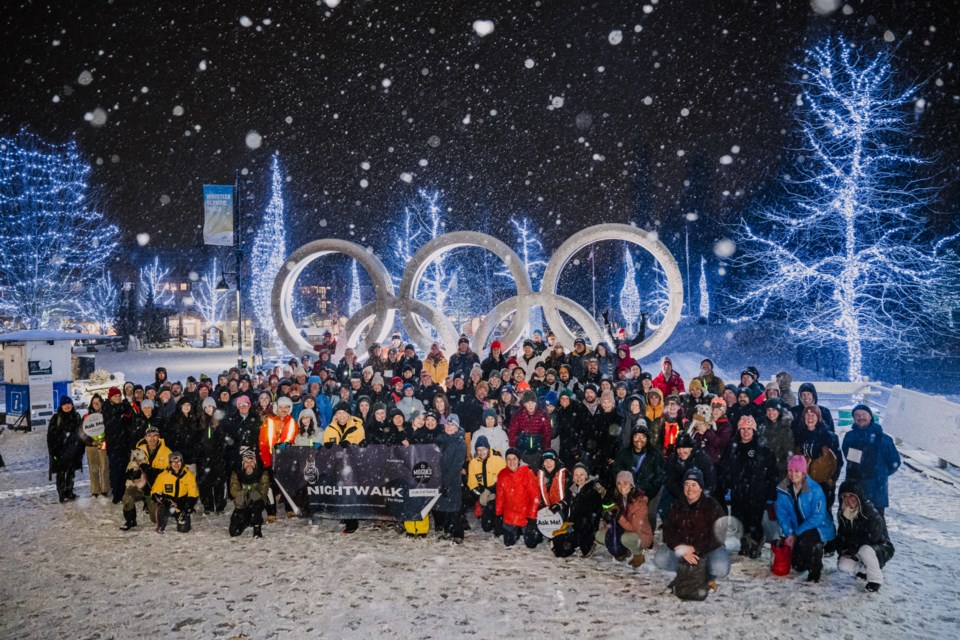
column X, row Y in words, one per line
column 718, row 561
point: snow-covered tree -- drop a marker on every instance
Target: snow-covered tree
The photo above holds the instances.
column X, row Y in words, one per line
column 530, row 249
column 354, row 305
column 209, row 302
column 152, row 276
column 704, row 291
column 629, row 294
column 53, row 242
column 268, row 253
column 100, row 304
column 657, row 301
column 422, row 222
column 842, row 259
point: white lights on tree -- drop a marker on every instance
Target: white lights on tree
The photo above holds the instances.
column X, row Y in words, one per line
column 152, row 277
column 530, row 249
column 355, row 303
column 842, row 259
column 53, row 243
column 210, row 302
column 629, row 294
column 268, row 253
column 704, row 291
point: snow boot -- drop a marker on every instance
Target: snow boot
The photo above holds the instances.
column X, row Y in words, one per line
column 637, row 560
column 813, row 576
column 130, row 520
column 183, row 522
column 256, row 531
column 873, row 587
column 350, row 526
column 861, row 576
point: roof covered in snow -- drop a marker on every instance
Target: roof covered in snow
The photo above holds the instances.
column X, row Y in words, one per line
column 41, row 335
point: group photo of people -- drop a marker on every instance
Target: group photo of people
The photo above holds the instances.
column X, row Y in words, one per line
column 641, row 465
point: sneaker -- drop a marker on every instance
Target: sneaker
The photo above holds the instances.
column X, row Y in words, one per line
column 271, row 519
column 813, row 576
column 621, row 557
column 444, row 536
column 873, row 587
column 713, row 586
column 290, row 514
column 127, row 526
column 457, row 540
column 589, row 552
column 257, row 533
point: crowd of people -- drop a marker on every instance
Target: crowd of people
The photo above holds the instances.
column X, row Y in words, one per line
column 619, row 453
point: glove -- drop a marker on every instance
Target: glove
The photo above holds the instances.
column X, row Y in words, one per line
column 363, row 444
column 283, row 446
column 133, row 474
column 771, row 512
column 328, row 444
column 344, row 444
column 531, row 524
column 555, row 508
column 157, row 497
column 317, row 445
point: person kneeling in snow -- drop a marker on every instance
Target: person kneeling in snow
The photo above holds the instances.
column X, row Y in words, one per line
column 482, row 473
column 586, row 507
column 804, row 518
column 862, row 540
column 689, row 531
column 518, row 498
column 175, row 493
column 629, row 531
column 249, row 486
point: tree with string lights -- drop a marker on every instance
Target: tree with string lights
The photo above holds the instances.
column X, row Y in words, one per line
column 100, row 304
column 629, row 294
column 211, row 303
column 53, row 242
column 531, row 252
column 423, row 221
column 152, row 276
column 354, row 305
column 268, row 253
column 842, row 259
column 704, row 291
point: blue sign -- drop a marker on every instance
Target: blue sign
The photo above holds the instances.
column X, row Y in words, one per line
column 218, row 208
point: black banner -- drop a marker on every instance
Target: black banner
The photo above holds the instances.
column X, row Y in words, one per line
column 378, row 482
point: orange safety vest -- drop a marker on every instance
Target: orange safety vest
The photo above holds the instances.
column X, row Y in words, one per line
column 274, row 431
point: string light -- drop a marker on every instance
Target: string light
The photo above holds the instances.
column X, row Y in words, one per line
column 268, row 253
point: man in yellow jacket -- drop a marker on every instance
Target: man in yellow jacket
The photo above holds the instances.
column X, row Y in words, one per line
column 482, row 475
column 147, row 461
column 344, row 430
column 175, row 492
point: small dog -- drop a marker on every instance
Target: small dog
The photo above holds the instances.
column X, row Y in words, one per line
column 137, row 458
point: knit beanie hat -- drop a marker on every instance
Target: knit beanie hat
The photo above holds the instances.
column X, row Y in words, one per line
column 626, row 476
column 797, row 463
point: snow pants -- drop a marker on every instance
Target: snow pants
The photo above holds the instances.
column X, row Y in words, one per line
column 449, row 523
column 250, row 514
column 718, row 561
column 864, row 562
column 65, row 483
column 808, row 552
column 213, row 490
column 531, row 536
column 99, row 468
column 118, row 472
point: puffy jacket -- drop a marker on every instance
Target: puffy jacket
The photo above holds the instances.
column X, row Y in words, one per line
column 530, row 432
column 749, row 472
column 715, row 440
column 606, row 429
column 274, row 431
column 878, row 459
column 496, row 437
column 812, row 505
column 632, row 517
column 462, row 363
column 797, row 410
column 176, row 485
column 437, row 370
column 553, row 486
column 518, row 497
column 351, row 432
column 671, row 386
column 648, row 474
column 157, row 461
column 63, row 441
column 693, row 524
column 586, row 505
column 572, row 425
column 868, row 527
column 482, row 474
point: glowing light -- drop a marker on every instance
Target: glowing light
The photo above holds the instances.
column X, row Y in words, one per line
column 268, row 253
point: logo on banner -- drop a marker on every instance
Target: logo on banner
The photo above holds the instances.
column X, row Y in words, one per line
column 422, row 472
column 310, row 471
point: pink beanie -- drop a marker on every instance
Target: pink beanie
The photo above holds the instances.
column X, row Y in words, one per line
column 797, row 463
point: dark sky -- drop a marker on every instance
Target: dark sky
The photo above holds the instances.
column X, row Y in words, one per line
column 564, row 126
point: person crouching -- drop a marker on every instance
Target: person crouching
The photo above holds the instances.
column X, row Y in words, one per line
column 629, row 532
column 863, row 544
column 249, row 486
column 518, row 498
column 174, row 493
column 804, row 518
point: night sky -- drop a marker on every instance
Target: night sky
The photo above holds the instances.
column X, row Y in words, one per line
column 570, row 113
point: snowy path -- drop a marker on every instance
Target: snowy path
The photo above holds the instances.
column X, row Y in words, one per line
column 69, row 572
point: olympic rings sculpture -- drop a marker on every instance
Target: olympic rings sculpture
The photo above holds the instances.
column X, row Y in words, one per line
column 377, row 317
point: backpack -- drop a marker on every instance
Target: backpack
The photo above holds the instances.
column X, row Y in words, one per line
column 691, row 580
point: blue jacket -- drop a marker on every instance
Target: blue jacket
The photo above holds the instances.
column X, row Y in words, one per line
column 324, row 409
column 879, row 459
column 813, row 510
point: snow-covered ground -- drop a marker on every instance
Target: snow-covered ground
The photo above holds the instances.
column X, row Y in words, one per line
column 69, row 572
column 180, row 362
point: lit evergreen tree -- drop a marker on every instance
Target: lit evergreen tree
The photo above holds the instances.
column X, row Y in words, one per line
column 268, row 253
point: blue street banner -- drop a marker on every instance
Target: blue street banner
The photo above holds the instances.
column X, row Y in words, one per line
column 218, row 215
column 378, row 482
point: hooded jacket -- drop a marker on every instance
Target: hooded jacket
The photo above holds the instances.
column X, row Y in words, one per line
column 867, row 527
column 871, row 457
column 797, row 410
column 799, row 513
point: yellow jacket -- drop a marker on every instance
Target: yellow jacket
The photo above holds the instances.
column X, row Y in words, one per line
column 352, row 432
column 182, row 485
column 437, row 371
column 161, row 457
column 482, row 474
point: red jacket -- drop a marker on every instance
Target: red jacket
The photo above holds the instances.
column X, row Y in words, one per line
column 518, row 496
column 669, row 387
column 537, row 424
column 273, row 431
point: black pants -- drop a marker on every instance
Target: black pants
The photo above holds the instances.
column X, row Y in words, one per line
column 512, row 533
column 751, row 517
column 118, row 460
column 252, row 514
column 489, row 520
column 808, row 552
column 450, row 523
column 213, row 490
column 65, row 483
